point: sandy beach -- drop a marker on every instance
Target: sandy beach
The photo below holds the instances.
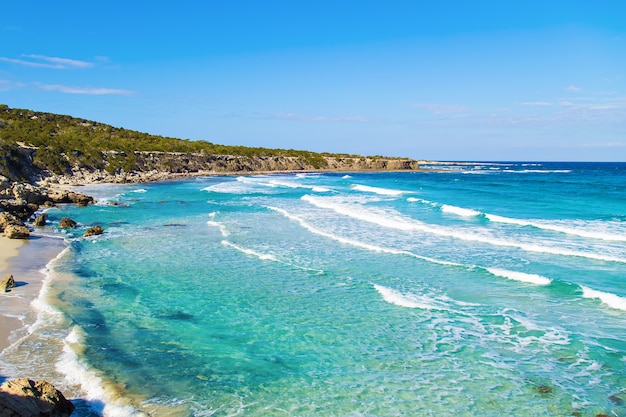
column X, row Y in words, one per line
column 25, row 260
column 9, row 249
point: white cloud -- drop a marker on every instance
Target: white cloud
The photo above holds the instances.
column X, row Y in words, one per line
column 573, row 89
column 84, row 90
column 42, row 61
column 536, row 103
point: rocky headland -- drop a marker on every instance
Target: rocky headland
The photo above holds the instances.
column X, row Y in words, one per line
column 41, row 154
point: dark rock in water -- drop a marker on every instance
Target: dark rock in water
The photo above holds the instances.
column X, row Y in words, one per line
column 544, row 389
column 66, row 223
column 617, row 400
column 93, row 231
column 174, row 225
column 26, row 398
column 40, row 221
column 16, row 232
column 7, row 283
column 179, row 315
column 117, row 204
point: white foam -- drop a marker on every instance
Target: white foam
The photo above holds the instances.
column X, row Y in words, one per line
column 359, row 244
column 396, row 298
column 219, row 225
column 395, row 221
column 378, row 190
column 612, row 300
column 459, row 211
column 593, row 234
column 262, row 256
column 539, row 171
column 520, row 276
column 345, row 177
column 77, row 373
column 139, row 190
column 318, row 189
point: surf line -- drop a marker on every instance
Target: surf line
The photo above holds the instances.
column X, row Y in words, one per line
column 413, row 225
column 268, row 257
column 512, row 275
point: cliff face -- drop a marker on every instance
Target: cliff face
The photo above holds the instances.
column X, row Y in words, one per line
column 151, row 166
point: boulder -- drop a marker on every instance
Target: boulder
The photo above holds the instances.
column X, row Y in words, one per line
column 7, row 283
column 61, row 196
column 40, row 220
column 93, row 231
column 7, row 219
column 26, row 398
column 67, row 223
column 16, row 232
column 29, row 193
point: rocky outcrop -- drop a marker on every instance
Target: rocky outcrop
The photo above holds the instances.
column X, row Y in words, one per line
column 41, row 220
column 67, row 223
column 13, row 231
column 19, row 201
column 26, row 398
column 7, row 283
column 93, row 231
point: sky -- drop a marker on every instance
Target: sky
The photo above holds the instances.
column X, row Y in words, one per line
column 446, row 80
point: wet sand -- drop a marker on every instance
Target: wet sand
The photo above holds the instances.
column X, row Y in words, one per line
column 26, row 261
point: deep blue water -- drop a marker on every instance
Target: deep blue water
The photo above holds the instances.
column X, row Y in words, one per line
column 483, row 289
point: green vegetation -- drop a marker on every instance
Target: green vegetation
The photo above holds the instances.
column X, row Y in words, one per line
column 65, row 141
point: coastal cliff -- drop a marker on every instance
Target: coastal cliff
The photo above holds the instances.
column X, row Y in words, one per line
column 155, row 166
column 38, row 147
column 41, row 151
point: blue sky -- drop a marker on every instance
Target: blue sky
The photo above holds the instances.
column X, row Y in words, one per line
column 447, row 80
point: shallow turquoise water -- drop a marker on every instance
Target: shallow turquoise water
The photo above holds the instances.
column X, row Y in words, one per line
column 489, row 289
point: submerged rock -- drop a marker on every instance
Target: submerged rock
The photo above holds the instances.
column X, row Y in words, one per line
column 93, row 231
column 26, row 398
column 67, row 223
column 7, row 283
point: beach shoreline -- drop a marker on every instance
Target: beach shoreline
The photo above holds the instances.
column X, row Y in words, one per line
column 9, row 250
column 26, row 261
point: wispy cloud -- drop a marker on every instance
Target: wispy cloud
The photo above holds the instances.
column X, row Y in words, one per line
column 536, row 103
column 43, row 61
column 310, row 118
column 6, row 85
column 573, row 89
column 84, row 90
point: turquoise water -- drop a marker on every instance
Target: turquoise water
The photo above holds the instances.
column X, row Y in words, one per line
column 487, row 289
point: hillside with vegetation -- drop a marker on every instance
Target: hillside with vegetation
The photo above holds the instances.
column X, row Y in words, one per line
column 37, row 145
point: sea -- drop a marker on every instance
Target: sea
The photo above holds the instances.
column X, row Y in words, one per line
column 465, row 289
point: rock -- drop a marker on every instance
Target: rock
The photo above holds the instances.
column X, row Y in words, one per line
column 7, row 283
column 66, row 223
column 26, row 398
column 16, row 232
column 29, row 193
column 61, row 196
column 93, row 231
column 7, row 219
column 41, row 220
